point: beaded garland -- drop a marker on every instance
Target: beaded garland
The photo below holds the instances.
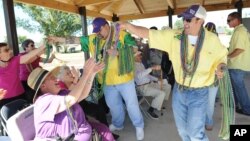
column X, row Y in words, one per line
column 189, row 67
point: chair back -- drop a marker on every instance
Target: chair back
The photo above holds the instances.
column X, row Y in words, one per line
column 9, row 110
column 21, row 125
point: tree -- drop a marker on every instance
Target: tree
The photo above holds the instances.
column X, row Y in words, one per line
column 49, row 22
column 21, row 39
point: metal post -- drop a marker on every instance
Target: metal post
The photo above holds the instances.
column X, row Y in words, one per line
column 10, row 23
column 170, row 13
column 239, row 6
column 82, row 12
column 115, row 18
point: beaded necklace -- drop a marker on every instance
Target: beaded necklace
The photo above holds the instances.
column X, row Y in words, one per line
column 228, row 108
column 101, row 55
column 47, row 51
column 189, row 67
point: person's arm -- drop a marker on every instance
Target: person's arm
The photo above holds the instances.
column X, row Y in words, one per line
column 52, row 57
column 75, row 74
column 2, row 93
column 142, row 73
column 153, row 78
column 27, row 58
column 140, row 31
column 65, row 40
column 235, row 53
column 82, row 88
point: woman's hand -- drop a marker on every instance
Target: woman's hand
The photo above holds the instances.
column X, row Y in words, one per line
column 91, row 67
column 75, row 72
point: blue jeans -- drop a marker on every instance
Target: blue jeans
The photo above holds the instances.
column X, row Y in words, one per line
column 212, row 92
column 114, row 96
column 240, row 92
column 189, row 108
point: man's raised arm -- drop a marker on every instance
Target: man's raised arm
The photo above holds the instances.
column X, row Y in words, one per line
column 140, row 31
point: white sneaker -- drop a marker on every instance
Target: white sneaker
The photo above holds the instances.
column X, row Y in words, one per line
column 112, row 128
column 139, row 133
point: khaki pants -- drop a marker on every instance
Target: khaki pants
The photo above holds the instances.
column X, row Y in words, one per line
column 154, row 90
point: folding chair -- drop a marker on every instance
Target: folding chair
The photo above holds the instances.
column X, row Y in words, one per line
column 141, row 99
column 20, row 126
column 9, row 110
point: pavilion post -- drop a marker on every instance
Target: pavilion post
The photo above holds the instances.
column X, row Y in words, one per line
column 10, row 22
column 82, row 12
column 170, row 13
column 115, row 18
column 239, row 6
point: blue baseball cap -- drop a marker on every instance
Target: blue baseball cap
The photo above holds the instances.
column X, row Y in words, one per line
column 194, row 11
column 98, row 23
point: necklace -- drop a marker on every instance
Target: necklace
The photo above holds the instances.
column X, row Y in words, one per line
column 189, row 66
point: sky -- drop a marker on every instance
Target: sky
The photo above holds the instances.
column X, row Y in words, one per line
column 218, row 17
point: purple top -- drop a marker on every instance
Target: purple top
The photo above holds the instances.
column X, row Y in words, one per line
column 48, row 123
column 25, row 69
column 9, row 78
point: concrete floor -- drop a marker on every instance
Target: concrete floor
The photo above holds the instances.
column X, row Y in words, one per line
column 164, row 128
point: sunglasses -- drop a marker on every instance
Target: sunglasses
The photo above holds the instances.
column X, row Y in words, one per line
column 229, row 20
column 187, row 20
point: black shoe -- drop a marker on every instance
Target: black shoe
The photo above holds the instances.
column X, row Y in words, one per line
column 240, row 111
column 152, row 114
column 115, row 136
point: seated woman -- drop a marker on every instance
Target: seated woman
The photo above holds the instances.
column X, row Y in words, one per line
column 67, row 79
column 9, row 72
column 29, row 45
column 56, row 110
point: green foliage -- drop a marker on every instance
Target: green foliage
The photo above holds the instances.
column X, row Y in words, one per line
column 21, row 39
column 178, row 24
column 48, row 21
column 226, row 30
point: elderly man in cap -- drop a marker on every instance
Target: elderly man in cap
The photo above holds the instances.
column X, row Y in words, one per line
column 195, row 58
column 150, row 85
column 114, row 47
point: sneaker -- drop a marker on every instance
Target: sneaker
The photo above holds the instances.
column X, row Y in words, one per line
column 240, row 111
column 152, row 114
column 139, row 133
column 112, row 128
column 115, row 136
